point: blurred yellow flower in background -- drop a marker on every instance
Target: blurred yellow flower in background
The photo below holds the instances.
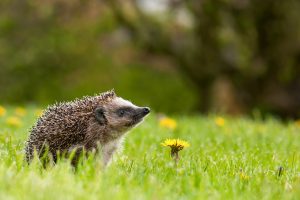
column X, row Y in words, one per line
column 13, row 121
column 2, row 111
column 297, row 122
column 244, row 176
column 167, row 122
column 220, row 121
column 38, row 112
column 20, row 111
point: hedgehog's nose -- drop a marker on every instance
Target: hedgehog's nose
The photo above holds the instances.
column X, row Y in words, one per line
column 146, row 110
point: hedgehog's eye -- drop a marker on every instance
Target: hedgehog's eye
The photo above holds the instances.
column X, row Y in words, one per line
column 121, row 112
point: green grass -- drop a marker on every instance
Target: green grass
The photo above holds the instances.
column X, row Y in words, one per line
column 209, row 169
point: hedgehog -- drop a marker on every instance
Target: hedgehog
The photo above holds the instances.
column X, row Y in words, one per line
column 91, row 124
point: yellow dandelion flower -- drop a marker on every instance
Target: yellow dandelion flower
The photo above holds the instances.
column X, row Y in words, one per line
column 20, row 111
column 38, row 112
column 2, row 111
column 220, row 121
column 176, row 146
column 13, row 121
column 244, row 176
column 167, row 122
column 175, row 143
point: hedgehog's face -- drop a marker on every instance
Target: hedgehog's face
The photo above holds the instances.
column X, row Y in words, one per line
column 120, row 115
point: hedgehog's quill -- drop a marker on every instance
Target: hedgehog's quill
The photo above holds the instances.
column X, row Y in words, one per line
column 96, row 123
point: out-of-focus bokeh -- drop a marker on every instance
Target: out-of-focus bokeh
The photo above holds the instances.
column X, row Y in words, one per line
column 232, row 56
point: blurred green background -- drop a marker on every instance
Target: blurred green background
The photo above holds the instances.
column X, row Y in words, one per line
column 176, row 56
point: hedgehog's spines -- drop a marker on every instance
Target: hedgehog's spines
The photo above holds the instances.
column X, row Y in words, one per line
column 86, row 101
column 67, row 125
column 66, row 120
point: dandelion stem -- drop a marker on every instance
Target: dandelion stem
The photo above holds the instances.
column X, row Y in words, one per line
column 175, row 156
column 280, row 171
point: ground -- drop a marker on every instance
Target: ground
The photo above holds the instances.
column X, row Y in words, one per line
column 228, row 158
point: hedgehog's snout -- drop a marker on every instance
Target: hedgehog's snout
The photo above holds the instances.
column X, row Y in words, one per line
column 146, row 111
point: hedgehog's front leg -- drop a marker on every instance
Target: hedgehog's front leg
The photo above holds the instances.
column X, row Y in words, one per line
column 75, row 152
column 108, row 151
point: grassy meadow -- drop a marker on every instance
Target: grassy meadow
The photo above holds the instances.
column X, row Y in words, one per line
column 228, row 158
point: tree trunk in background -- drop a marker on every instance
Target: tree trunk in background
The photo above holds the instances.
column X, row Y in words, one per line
column 240, row 55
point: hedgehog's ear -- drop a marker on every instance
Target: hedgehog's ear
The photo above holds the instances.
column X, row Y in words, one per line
column 99, row 115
